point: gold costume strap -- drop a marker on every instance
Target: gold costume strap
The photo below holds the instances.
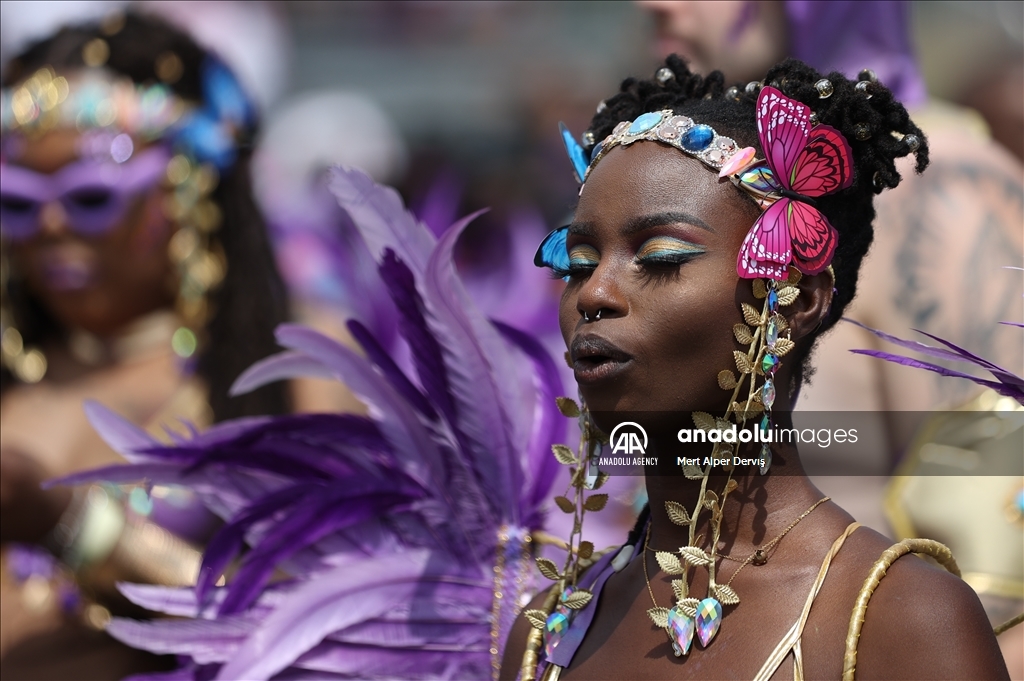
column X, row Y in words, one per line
column 528, row 669
column 1009, row 624
column 929, row 547
column 791, row 641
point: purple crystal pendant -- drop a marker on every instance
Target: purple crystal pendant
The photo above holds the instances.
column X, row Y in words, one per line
column 554, row 629
column 772, row 332
column 766, row 454
column 590, row 480
column 681, row 628
column 769, row 364
column 557, row 623
column 709, row 620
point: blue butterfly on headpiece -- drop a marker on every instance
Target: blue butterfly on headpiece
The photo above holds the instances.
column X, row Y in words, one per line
column 576, row 153
column 552, row 252
column 209, row 134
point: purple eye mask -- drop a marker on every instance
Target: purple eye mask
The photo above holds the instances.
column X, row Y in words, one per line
column 93, row 194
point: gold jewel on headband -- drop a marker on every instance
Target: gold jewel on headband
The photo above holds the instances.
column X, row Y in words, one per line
column 207, row 131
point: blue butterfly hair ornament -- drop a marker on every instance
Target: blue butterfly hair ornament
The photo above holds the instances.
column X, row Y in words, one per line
column 552, row 252
column 577, row 155
column 213, row 132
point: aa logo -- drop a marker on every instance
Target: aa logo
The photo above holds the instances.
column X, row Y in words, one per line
column 628, row 438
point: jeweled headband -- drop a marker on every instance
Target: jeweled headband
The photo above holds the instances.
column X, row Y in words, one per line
column 97, row 100
column 803, row 161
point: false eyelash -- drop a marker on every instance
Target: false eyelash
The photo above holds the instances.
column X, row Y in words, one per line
column 662, row 268
column 669, row 258
column 571, row 271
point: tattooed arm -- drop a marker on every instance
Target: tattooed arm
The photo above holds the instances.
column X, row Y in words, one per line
column 943, row 241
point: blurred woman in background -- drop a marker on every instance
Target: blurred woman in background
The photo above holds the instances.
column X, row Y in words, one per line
column 136, row 272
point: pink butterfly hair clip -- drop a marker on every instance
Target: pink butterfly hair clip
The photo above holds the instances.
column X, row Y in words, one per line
column 803, row 162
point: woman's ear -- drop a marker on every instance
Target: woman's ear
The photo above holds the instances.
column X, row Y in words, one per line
column 812, row 305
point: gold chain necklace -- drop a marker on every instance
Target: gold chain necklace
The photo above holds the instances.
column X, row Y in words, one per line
column 760, row 554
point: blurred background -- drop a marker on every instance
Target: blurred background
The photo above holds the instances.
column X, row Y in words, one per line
column 473, row 91
column 456, row 104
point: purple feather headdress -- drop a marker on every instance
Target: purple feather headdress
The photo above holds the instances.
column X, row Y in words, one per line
column 364, row 546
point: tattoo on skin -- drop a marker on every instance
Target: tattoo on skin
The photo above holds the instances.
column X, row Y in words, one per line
column 959, row 290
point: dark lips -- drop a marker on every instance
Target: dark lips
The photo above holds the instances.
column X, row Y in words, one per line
column 67, row 269
column 595, row 359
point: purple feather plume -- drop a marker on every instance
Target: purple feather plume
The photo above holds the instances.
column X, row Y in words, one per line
column 363, row 546
column 1006, row 383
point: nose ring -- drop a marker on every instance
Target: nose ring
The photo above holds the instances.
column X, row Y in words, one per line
column 588, row 318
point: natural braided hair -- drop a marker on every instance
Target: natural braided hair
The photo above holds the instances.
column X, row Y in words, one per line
column 877, row 127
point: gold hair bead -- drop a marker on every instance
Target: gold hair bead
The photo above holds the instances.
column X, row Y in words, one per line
column 112, row 24
column 95, row 53
column 824, row 88
column 168, row 67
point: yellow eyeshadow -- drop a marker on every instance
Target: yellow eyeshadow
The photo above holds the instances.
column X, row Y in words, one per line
column 584, row 253
column 662, row 246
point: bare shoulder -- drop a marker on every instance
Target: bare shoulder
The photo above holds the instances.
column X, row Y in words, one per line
column 921, row 622
column 515, row 646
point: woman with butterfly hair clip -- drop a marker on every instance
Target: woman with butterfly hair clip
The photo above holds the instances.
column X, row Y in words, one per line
column 678, row 278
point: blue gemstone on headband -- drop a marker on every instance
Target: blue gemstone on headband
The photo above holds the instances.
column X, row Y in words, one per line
column 696, row 138
column 645, row 122
column 596, row 151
